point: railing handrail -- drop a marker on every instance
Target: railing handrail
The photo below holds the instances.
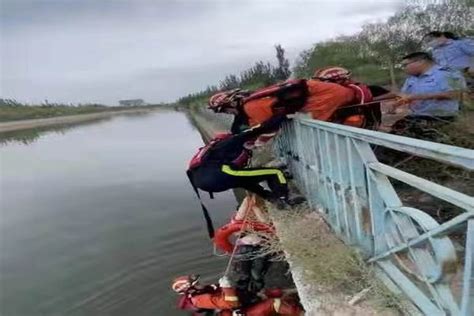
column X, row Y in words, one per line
column 336, row 168
column 453, row 155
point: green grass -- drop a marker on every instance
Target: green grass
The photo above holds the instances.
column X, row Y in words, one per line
column 14, row 113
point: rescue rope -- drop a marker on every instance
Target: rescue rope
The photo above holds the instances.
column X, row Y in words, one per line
column 363, row 104
column 247, row 211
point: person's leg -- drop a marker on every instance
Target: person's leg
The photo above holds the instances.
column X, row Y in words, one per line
column 212, row 179
column 263, row 308
column 242, row 274
column 258, row 270
column 289, row 308
column 249, row 178
column 274, row 306
column 255, row 188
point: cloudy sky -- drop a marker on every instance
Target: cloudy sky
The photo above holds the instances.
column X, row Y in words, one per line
column 107, row 50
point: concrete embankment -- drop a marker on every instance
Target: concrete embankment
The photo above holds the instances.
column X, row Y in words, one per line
column 61, row 120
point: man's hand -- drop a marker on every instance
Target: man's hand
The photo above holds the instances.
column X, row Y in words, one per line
column 390, row 106
column 444, row 95
column 403, row 98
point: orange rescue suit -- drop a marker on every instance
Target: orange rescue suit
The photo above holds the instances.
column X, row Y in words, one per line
column 221, row 299
column 324, row 98
column 269, row 307
column 225, row 300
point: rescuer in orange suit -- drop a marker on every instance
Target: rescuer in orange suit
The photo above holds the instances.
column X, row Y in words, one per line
column 222, row 298
column 320, row 99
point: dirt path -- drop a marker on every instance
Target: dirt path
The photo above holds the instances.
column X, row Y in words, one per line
column 27, row 124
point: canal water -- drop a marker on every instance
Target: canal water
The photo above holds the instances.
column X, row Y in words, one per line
column 98, row 219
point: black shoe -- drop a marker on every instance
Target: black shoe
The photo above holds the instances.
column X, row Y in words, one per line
column 296, row 200
column 267, row 195
column 281, row 204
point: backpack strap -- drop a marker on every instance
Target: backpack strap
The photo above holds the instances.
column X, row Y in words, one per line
column 363, row 93
column 205, row 212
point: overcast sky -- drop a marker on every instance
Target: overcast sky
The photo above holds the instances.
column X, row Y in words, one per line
column 107, row 50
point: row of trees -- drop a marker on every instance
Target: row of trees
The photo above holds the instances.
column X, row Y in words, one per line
column 372, row 54
column 260, row 74
column 45, row 104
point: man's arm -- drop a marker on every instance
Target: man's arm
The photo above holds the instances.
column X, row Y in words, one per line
column 269, row 125
column 395, row 94
column 386, row 96
column 449, row 86
column 467, row 46
column 448, row 95
column 238, row 140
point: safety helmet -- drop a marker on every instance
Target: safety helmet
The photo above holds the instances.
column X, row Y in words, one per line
column 184, row 283
column 332, row 73
column 225, row 99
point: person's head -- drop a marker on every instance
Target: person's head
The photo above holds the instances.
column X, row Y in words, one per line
column 417, row 63
column 226, row 101
column 185, row 283
column 332, row 74
column 437, row 38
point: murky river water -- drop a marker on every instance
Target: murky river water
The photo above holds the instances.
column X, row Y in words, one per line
column 97, row 220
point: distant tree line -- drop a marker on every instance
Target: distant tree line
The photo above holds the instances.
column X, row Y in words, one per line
column 372, row 54
column 260, row 74
column 46, row 104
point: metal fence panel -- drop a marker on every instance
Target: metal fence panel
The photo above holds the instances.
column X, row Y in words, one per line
column 336, row 168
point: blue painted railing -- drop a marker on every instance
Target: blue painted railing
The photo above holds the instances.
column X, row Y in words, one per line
column 335, row 167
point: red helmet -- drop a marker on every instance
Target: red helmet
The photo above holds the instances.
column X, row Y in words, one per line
column 184, row 283
column 333, row 74
column 226, row 99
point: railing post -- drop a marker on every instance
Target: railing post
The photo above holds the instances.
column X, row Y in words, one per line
column 467, row 308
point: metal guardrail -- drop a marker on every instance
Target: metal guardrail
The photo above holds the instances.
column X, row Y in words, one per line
column 336, row 168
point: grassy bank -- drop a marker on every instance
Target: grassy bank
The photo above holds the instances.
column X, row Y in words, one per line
column 11, row 110
column 15, row 113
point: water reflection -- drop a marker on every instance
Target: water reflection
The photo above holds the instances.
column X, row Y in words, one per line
column 29, row 136
column 98, row 220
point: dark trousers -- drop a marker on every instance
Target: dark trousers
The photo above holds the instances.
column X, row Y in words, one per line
column 250, row 272
column 219, row 178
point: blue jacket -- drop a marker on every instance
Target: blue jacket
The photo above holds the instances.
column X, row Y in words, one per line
column 456, row 54
column 436, row 79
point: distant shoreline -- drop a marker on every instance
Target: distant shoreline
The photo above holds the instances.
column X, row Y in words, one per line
column 67, row 119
